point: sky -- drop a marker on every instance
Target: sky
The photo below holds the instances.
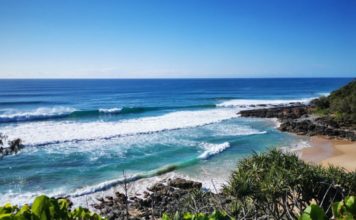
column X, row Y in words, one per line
column 177, row 38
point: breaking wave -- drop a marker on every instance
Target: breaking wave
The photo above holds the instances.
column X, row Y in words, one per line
column 213, row 149
column 42, row 133
column 37, row 114
column 42, row 114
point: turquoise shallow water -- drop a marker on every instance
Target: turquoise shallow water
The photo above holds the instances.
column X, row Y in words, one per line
column 80, row 135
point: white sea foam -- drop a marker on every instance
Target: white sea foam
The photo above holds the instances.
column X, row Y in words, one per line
column 324, row 93
column 233, row 130
column 21, row 198
column 247, row 103
column 209, row 150
column 213, row 149
column 110, row 110
column 39, row 113
column 36, row 133
column 296, row 147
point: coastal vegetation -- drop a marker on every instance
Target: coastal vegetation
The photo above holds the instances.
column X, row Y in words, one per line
column 280, row 185
column 340, row 106
column 44, row 208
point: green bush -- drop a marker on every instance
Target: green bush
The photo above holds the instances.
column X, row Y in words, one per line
column 45, row 208
column 345, row 209
column 321, row 102
column 216, row 215
column 340, row 105
column 280, row 185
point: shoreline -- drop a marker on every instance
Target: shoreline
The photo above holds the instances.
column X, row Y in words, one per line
column 326, row 152
column 321, row 150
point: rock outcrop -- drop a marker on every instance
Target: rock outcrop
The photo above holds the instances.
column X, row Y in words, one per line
column 163, row 197
column 299, row 120
column 288, row 112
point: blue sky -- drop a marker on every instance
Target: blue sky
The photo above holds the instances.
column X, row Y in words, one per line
column 177, row 38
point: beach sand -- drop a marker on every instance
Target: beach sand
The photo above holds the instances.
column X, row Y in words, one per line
column 327, row 152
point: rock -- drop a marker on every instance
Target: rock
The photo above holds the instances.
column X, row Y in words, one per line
column 146, row 194
column 165, row 197
column 311, row 128
column 184, row 184
column 296, row 119
column 110, row 198
column 292, row 112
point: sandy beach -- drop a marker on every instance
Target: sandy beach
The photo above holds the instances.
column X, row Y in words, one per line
column 327, row 152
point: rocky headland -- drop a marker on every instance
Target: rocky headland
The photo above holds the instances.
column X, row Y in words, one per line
column 301, row 120
column 332, row 116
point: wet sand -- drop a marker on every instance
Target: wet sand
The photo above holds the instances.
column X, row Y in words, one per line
column 327, row 152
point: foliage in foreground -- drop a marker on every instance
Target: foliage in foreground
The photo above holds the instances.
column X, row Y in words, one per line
column 345, row 209
column 44, row 208
column 279, row 186
column 216, row 215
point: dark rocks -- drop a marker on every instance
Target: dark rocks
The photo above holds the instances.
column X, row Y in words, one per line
column 184, row 184
column 292, row 112
column 311, row 128
column 14, row 146
column 297, row 119
column 162, row 197
column 156, row 187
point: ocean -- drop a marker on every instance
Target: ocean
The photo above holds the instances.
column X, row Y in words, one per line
column 81, row 135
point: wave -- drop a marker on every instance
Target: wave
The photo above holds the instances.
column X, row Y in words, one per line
column 210, row 150
column 42, row 133
column 42, row 114
column 110, row 110
column 248, row 103
column 213, row 149
column 112, row 183
column 37, row 114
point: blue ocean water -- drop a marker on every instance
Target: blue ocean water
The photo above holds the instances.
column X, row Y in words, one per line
column 80, row 135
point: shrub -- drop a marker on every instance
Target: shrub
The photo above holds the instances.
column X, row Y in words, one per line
column 216, row 215
column 280, row 186
column 339, row 105
column 321, row 103
column 45, row 208
column 345, row 209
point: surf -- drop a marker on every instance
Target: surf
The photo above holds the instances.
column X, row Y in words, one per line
column 38, row 133
column 54, row 113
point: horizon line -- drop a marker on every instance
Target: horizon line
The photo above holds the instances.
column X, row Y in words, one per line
column 183, row 78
